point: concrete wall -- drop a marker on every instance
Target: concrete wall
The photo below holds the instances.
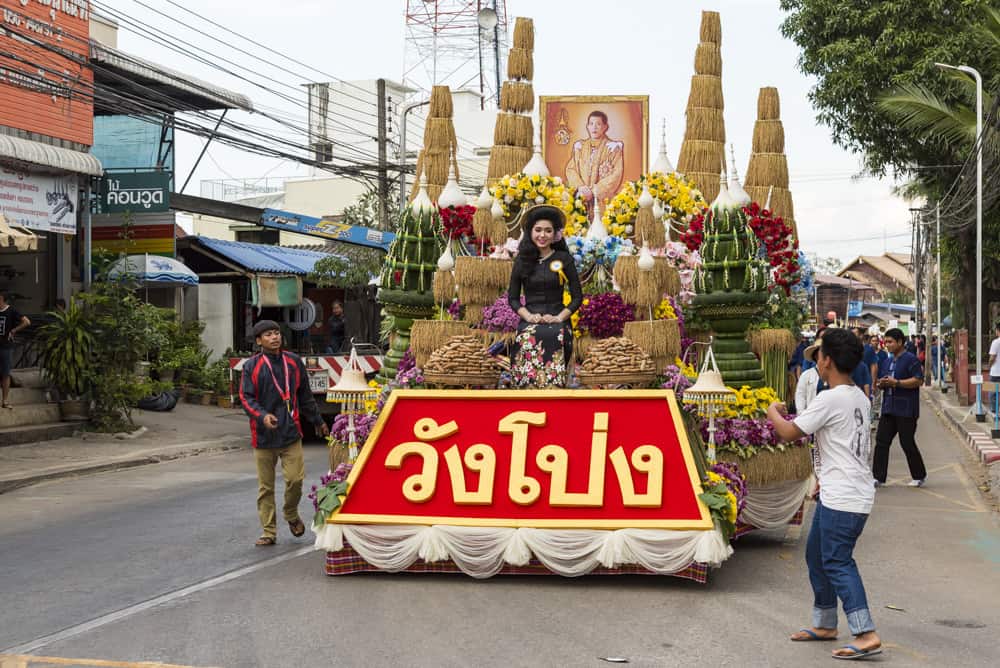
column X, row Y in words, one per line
column 215, row 308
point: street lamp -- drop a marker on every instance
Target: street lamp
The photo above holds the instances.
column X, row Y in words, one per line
column 980, row 413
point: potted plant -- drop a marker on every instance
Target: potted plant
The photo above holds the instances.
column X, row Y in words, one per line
column 219, row 373
column 66, row 348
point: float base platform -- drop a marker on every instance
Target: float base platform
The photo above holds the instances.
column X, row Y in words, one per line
column 743, row 529
column 347, row 561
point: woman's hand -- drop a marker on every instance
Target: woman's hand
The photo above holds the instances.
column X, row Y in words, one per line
column 550, row 318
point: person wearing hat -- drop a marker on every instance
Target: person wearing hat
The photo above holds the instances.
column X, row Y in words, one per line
column 275, row 393
column 542, row 273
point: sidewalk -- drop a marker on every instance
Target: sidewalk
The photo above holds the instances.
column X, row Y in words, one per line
column 187, row 430
column 975, row 434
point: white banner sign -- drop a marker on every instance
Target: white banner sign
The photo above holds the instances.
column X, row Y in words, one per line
column 39, row 202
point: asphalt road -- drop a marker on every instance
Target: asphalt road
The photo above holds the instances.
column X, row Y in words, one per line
column 157, row 564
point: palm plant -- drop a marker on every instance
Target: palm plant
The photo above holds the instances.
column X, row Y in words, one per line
column 67, row 344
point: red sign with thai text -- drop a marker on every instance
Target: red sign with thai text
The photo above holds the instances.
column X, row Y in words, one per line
column 548, row 459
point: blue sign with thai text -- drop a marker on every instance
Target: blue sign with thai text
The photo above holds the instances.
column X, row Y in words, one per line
column 317, row 227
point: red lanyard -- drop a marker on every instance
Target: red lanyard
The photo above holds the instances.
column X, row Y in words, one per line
column 286, row 396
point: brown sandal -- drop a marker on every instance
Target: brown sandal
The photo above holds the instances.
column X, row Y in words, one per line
column 265, row 540
column 297, row 527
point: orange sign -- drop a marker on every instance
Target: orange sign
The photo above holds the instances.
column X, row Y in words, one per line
column 548, row 459
column 46, row 83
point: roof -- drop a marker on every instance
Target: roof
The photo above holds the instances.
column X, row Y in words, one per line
column 901, row 258
column 827, row 279
column 186, row 91
column 263, row 258
column 892, row 269
column 56, row 157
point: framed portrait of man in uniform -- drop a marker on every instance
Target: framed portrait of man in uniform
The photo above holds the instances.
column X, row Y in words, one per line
column 595, row 143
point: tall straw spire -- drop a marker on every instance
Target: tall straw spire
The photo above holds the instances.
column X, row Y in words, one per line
column 702, row 155
column 767, row 173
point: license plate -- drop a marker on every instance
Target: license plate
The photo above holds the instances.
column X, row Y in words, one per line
column 319, row 381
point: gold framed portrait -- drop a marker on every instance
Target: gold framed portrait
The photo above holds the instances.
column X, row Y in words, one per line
column 595, row 143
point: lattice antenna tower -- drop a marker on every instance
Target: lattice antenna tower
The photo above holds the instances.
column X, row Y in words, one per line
column 461, row 44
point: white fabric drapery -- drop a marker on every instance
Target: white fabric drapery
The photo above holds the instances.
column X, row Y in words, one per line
column 482, row 551
column 774, row 506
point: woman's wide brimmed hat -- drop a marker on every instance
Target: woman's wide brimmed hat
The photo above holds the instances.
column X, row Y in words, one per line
column 547, row 212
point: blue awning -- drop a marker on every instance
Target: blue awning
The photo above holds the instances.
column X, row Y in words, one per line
column 263, row 258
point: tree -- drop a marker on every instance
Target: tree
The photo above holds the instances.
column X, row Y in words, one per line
column 825, row 265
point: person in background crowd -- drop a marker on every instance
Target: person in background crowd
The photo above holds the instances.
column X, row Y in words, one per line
column 795, row 362
column 911, row 344
column 11, row 322
column 338, row 330
column 995, row 362
column 275, row 395
column 809, row 381
column 870, row 356
column 900, row 378
column 838, row 418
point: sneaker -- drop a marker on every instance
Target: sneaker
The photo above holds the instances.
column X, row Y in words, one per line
column 916, row 483
column 878, row 483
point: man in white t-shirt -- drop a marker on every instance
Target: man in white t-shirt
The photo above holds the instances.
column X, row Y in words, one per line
column 994, row 363
column 839, row 418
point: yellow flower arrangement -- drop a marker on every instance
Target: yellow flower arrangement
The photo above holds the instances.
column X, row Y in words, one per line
column 517, row 192
column 687, row 370
column 372, row 403
column 678, row 196
column 665, row 311
column 731, row 510
column 750, row 403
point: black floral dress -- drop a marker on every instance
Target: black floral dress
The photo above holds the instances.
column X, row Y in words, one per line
column 542, row 351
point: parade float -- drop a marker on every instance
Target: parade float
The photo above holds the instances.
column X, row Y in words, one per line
column 657, row 455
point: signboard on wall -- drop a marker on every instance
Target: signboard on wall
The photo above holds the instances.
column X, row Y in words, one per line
column 136, row 192
column 46, row 82
column 317, row 227
column 152, row 233
column 39, row 202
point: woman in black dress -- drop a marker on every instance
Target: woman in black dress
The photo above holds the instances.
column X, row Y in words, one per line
column 543, row 271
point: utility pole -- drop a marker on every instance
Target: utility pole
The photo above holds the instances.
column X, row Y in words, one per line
column 383, row 165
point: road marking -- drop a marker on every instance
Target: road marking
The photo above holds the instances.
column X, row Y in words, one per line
column 24, row 661
column 124, row 613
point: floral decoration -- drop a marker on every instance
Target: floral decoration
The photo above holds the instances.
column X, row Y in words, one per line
column 722, row 503
column 675, row 379
column 665, row 310
column 694, row 236
column 605, row 315
column 456, row 222
column 745, row 437
column 680, row 200
column 687, row 262
column 362, row 427
column 595, row 259
column 498, row 316
column 779, row 245
column 750, row 403
column 517, row 192
column 326, row 496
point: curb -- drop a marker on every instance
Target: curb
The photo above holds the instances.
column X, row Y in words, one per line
column 117, row 464
column 986, row 450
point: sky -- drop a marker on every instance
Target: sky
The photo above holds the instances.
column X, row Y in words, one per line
column 582, row 47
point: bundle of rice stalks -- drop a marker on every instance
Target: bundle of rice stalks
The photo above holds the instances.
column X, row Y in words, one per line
column 711, row 27
column 706, row 182
column 768, row 169
column 768, row 137
column 649, row 291
column 482, row 221
column 513, row 130
column 706, row 91
column 649, row 230
column 667, row 275
column 475, row 284
column 705, row 123
column 426, row 336
column 766, row 340
column 768, row 468
column 520, row 64
column 496, row 273
column 517, row 96
column 657, row 338
column 506, row 160
column 699, row 155
column 444, row 287
column 473, row 314
column 441, row 106
column 524, row 33
column 626, row 275
column 768, row 104
column 708, row 59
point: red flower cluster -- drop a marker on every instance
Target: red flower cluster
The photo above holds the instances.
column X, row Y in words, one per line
column 605, row 315
column 781, row 246
column 694, row 235
column 457, row 221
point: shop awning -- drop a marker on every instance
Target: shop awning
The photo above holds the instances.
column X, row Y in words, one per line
column 54, row 157
column 194, row 93
column 261, row 258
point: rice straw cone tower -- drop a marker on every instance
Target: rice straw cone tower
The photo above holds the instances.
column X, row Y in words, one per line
column 440, row 152
column 702, row 154
column 513, row 134
column 767, row 172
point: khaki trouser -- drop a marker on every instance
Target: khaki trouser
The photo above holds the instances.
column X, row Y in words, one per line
column 293, row 468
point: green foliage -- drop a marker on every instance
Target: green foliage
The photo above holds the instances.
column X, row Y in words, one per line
column 328, row 500
column 857, row 51
column 218, row 376
column 899, row 296
column 783, row 312
column 66, row 348
column 352, row 267
column 364, row 211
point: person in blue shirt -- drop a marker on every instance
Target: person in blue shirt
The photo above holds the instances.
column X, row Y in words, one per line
column 900, row 378
column 870, row 357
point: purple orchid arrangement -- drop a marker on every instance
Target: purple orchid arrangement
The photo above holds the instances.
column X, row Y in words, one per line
column 604, row 315
column 730, row 472
column 498, row 317
column 674, row 380
column 455, row 309
column 362, row 427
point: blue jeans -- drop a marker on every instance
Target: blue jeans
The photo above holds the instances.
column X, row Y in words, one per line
column 833, row 572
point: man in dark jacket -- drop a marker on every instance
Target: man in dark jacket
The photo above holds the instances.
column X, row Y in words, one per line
column 274, row 393
column 900, row 378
